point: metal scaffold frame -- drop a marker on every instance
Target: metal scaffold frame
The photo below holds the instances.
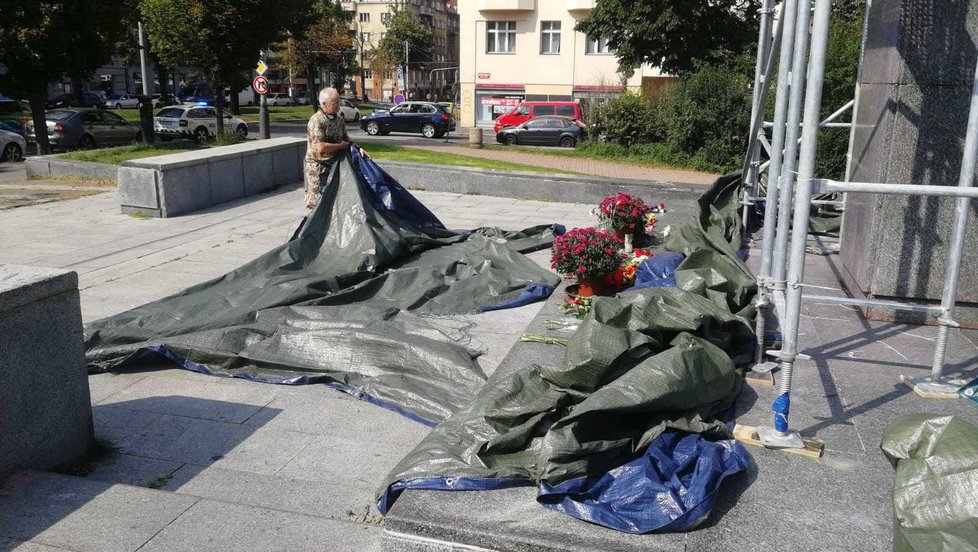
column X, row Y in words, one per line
column 791, row 183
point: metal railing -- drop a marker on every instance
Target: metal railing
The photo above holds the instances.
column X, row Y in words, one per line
column 791, row 184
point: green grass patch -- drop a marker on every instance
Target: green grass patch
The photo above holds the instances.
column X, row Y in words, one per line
column 657, row 155
column 115, row 156
column 383, row 151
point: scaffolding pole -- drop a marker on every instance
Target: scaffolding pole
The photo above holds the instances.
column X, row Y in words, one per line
column 771, row 202
column 781, row 436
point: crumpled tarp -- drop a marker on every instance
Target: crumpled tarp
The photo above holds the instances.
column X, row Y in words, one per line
column 619, row 433
column 935, row 490
column 331, row 305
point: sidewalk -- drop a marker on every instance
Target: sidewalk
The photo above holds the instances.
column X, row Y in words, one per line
column 593, row 167
column 209, row 463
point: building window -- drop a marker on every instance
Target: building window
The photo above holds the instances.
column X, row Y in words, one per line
column 597, row 46
column 500, row 37
column 385, row 17
column 550, row 37
column 368, row 74
column 363, row 17
column 364, row 38
column 388, row 75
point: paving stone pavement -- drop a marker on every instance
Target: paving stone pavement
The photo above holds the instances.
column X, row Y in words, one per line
column 230, row 464
column 209, row 463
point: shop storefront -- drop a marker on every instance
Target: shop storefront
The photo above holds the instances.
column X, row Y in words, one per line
column 490, row 104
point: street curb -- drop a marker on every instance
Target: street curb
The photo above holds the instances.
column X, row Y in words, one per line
column 558, row 188
column 52, row 166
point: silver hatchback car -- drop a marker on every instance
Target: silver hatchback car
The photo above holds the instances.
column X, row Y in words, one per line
column 87, row 128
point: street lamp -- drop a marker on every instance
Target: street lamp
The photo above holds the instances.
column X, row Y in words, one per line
column 363, row 81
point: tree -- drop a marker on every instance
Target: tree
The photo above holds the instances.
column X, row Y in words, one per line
column 220, row 39
column 404, row 28
column 43, row 40
column 322, row 40
column 674, row 35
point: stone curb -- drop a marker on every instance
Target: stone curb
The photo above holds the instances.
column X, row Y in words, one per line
column 52, row 166
column 526, row 185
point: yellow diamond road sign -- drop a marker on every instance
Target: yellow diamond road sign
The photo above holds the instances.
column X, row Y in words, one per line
column 261, row 68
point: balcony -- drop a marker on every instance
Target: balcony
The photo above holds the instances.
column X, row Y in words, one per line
column 505, row 5
column 580, row 5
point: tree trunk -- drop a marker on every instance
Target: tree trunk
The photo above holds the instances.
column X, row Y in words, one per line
column 235, row 103
column 219, row 106
column 76, row 90
column 163, row 75
column 37, row 100
column 311, row 89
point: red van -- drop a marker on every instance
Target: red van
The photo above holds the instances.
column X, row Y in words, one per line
column 528, row 110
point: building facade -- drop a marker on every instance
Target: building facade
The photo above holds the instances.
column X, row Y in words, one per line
column 516, row 50
column 370, row 18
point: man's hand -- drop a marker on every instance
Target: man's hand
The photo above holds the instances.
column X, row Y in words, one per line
column 364, row 153
column 324, row 148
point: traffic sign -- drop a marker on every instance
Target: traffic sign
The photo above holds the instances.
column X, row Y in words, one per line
column 261, row 68
column 400, row 72
column 399, row 98
column 260, row 84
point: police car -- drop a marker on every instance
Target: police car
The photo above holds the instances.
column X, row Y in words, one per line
column 195, row 121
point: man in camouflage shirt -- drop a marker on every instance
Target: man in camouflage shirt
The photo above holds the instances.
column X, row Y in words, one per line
column 327, row 137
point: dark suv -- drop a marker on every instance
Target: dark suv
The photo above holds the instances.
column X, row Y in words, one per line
column 14, row 116
column 430, row 119
column 71, row 100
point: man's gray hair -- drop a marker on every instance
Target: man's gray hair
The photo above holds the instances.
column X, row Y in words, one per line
column 327, row 93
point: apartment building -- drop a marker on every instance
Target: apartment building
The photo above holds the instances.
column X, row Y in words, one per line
column 370, row 20
column 515, row 50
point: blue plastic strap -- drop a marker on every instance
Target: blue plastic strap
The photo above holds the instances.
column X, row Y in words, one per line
column 530, row 294
column 446, row 484
column 780, row 408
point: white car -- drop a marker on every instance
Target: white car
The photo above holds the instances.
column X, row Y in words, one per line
column 278, row 99
column 12, row 146
column 348, row 111
column 194, row 121
column 118, row 101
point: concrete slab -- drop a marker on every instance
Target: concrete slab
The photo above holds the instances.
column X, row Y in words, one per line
column 203, row 399
column 212, row 525
column 219, row 444
column 332, row 499
column 134, row 470
column 14, row 545
column 84, row 515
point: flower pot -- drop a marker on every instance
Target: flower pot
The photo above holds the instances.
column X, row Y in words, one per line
column 589, row 287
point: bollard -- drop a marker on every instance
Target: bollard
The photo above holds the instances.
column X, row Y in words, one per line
column 475, row 138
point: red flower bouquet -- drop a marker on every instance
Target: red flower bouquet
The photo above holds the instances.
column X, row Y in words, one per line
column 586, row 253
column 624, row 213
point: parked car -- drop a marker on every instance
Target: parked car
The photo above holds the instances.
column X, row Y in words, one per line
column 118, row 101
column 348, row 111
column 544, row 131
column 278, row 99
column 428, row 118
column 13, row 146
column 87, row 128
column 14, row 116
column 194, row 121
column 71, row 100
column 528, row 110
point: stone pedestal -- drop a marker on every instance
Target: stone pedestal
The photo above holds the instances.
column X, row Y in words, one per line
column 45, row 407
column 911, row 116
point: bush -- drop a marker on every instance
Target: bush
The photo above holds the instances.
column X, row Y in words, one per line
column 625, row 120
column 707, row 116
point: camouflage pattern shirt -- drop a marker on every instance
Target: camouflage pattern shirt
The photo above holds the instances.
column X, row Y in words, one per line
column 322, row 128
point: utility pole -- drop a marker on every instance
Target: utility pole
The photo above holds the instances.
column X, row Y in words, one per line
column 407, row 70
column 142, row 58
